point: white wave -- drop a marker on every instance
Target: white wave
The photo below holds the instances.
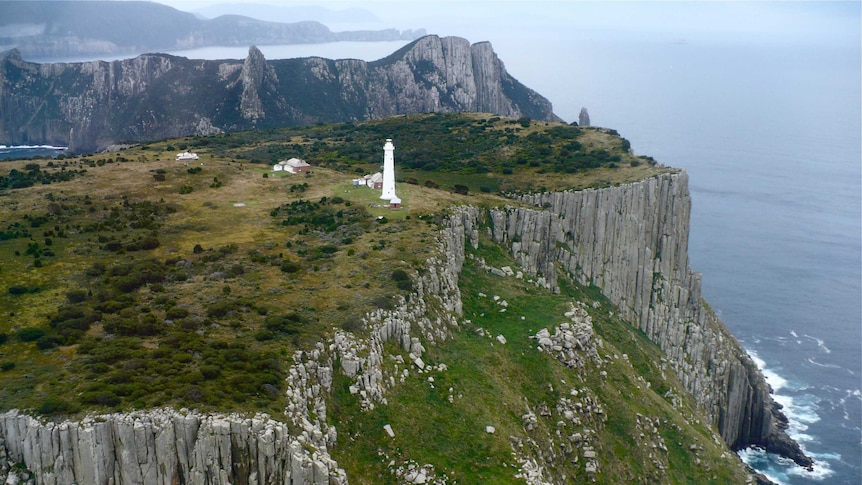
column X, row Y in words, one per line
column 793, row 332
column 801, row 411
column 818, row 364
column 820, row 344
column 760, row 461
column 31, row 147
column 779, row 469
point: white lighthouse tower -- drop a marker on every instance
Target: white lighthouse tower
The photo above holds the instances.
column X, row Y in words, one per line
column 388, row 171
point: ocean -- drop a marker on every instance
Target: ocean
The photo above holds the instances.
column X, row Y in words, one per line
column 767, row 122
column 770, row 137
column 29, row 151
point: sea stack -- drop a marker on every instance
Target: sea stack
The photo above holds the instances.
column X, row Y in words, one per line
column 388, row 171
column 584, row 117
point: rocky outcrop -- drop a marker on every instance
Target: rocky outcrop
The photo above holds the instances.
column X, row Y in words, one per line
column 632, row 242
column 584, row 117
column 160, row 447
column 88, row 106
column 254, row 72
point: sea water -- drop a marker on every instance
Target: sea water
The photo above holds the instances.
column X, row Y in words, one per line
column 770, row 137
column 8, row 152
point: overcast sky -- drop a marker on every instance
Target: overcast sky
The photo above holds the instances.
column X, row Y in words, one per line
column 803, row 21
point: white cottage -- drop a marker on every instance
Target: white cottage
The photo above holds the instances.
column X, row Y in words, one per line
column 186, row 156
column 294, row 165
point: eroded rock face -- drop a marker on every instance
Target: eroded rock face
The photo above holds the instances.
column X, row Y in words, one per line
column 88, row 106
column 162, row 447
column 632, row 242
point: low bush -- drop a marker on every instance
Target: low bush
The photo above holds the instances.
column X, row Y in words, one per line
column 54, row 405
column 30, row 334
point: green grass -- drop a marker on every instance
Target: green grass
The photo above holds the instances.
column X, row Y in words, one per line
column 494, row 383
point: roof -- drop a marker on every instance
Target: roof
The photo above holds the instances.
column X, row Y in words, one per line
column 294, row 162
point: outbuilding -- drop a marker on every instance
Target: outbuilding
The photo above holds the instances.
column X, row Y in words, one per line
column 294, row 165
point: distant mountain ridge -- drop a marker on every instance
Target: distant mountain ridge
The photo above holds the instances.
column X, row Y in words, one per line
column 88, row 106
column 56, row 29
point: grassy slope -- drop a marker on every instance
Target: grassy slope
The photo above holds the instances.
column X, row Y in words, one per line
column 237, row 316
column 493, row 384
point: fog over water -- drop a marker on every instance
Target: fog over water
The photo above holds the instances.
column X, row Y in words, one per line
column 760, row 103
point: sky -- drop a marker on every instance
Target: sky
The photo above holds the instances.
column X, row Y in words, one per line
column 805, row 21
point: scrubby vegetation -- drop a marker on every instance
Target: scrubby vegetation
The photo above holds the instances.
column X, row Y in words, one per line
column 449, row 150
column 142, row 282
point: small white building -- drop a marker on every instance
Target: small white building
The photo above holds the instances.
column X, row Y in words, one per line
column 294, row 165
column 395, row 202
column 372, row 181
column 186, row 156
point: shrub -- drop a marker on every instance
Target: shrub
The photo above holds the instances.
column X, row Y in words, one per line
column 30, row 334
column 21, row 290
column 3, row 338
column 406, row 285
column 288, row 323
column 290, row 266
column 46, row 342
column 222, row 308
column 176, row 313
column 7, row 366
column 76, row 296
column 264, row 335
column 103, row 398
column 55, row 405
column 210, row 371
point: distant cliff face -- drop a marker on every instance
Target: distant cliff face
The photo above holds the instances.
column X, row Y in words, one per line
column 88, row 106
column 40, row 29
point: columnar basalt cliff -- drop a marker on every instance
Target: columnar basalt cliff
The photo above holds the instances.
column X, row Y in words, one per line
column 632, row 242
column 88, row 106
column 161, row 447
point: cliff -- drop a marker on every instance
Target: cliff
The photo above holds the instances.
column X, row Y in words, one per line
column 43, row 29
column 88, row 106
column 630, row 241
column 161, row 447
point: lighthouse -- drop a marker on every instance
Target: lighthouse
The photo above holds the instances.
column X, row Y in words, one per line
column 388, row 171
